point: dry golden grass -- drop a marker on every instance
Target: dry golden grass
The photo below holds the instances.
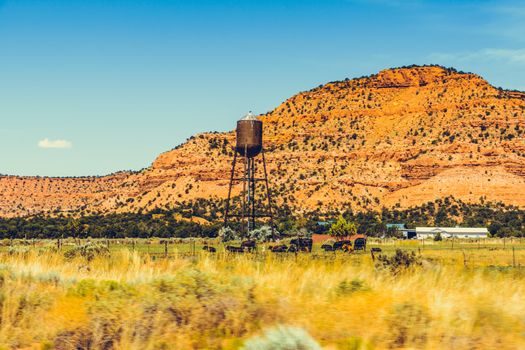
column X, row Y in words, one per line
column 129, row 301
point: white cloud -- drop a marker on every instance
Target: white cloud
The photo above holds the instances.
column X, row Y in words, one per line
column 47, row 143
column 508, row 55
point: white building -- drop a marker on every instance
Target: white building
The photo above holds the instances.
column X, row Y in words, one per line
column 449, row 232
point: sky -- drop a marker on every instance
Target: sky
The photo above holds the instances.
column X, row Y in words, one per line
column 93, row 87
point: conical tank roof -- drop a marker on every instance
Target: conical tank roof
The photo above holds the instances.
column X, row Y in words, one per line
column 249, row 116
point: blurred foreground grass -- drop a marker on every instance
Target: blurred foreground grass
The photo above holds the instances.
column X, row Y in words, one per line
column 457, row 299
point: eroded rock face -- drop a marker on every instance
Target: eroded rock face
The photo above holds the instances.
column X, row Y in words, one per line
column 399, row 138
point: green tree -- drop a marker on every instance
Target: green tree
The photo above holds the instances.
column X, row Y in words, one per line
column 342, row 228
column 73, row 227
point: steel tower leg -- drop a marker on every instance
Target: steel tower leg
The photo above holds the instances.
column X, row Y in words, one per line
column 249, row 214
column 268, row 195
column 245, row 194
column 226, row 212
column 252, row 184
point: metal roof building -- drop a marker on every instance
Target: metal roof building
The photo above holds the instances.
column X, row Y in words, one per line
column 449, row 232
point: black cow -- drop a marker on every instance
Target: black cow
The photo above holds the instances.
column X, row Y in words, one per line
column 327, row 248
column 339, row 244
column 360, row 244
column 279, row 248
column 302, row 244
column 209, row 249
column 249, row 246
column 233, row 249
column 292, row 249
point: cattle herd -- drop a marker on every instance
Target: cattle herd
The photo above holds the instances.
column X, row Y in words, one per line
column 296, row 245
column 346, row 245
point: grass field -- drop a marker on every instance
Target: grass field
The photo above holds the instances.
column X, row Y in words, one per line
column 483, row 252
column 466, row 296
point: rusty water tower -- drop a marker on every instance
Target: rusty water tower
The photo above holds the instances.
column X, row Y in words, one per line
column 249, row 145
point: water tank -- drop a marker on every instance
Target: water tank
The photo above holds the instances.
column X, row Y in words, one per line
column 249, row 136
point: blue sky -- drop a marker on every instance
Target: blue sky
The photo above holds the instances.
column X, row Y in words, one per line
column 91, row 87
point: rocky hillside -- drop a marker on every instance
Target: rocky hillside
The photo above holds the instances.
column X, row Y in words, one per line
column 399, row 138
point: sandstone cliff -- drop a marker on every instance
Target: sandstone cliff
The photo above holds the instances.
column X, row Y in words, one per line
column 399, row 138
